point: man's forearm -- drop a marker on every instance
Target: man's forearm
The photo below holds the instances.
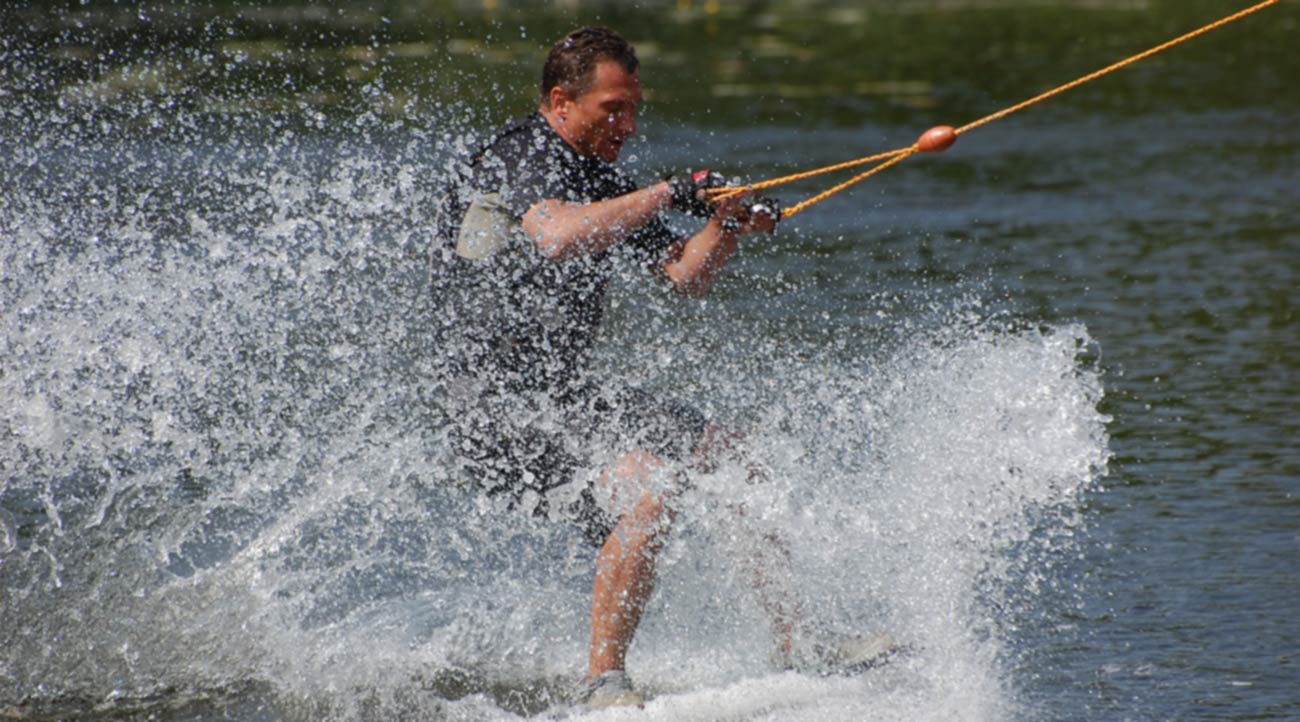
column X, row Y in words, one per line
column 695, row 267
column 569, row 230
column 696, row 263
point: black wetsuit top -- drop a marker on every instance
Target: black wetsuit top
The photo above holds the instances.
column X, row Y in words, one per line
column 524, row 422
column 531, row 321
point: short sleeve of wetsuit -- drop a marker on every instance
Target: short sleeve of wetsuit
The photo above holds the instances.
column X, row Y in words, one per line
column 529, row 164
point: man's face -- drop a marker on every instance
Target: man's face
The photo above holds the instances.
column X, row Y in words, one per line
column 599, row 121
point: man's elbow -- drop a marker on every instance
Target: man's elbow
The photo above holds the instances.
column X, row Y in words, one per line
column 549, row 246
column 691, row 285
column 694, row 289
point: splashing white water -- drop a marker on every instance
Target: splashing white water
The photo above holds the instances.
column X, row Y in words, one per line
column 226, row 471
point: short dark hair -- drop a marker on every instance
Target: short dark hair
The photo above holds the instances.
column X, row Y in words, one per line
column 571, row 64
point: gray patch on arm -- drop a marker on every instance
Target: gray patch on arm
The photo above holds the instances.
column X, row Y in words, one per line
column 488, row 227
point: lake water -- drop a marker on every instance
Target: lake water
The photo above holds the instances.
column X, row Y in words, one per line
column 1030, row 405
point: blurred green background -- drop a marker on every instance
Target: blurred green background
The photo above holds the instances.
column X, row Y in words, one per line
column 719, row 62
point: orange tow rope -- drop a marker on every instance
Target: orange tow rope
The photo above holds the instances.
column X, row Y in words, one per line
column 939, row 138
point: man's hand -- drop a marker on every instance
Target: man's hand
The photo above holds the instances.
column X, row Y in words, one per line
column 689, row 192
column 747, row 213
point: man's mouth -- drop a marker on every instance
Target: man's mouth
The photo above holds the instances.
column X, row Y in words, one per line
column 614, row 145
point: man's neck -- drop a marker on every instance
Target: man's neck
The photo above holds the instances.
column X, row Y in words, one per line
column 553, row 119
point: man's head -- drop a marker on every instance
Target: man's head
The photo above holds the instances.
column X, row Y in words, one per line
column 590, row 91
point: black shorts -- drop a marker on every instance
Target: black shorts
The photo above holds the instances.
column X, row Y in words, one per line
column 527, row 449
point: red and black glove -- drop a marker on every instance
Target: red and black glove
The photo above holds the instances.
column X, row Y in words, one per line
column 689, row 192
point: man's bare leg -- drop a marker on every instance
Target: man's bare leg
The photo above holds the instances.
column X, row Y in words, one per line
column 765, row 561
column 625, row 567
column 764, row 558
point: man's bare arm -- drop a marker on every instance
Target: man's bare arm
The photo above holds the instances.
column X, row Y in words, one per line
column 570, row 230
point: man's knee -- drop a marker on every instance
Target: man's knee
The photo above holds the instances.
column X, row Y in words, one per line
column 636, row 465
column 716, row 440
column 719, row 445
column 643, row 526
column 635, row 490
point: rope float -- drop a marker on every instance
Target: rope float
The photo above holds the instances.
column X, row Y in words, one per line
column 940, row 138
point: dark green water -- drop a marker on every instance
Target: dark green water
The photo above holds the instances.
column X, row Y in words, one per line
column 1158, row 208
column 732, row 64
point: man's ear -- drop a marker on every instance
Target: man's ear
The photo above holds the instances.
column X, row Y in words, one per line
column 559, row 99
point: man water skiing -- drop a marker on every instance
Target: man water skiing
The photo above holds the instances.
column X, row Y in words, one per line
column 539, row 226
